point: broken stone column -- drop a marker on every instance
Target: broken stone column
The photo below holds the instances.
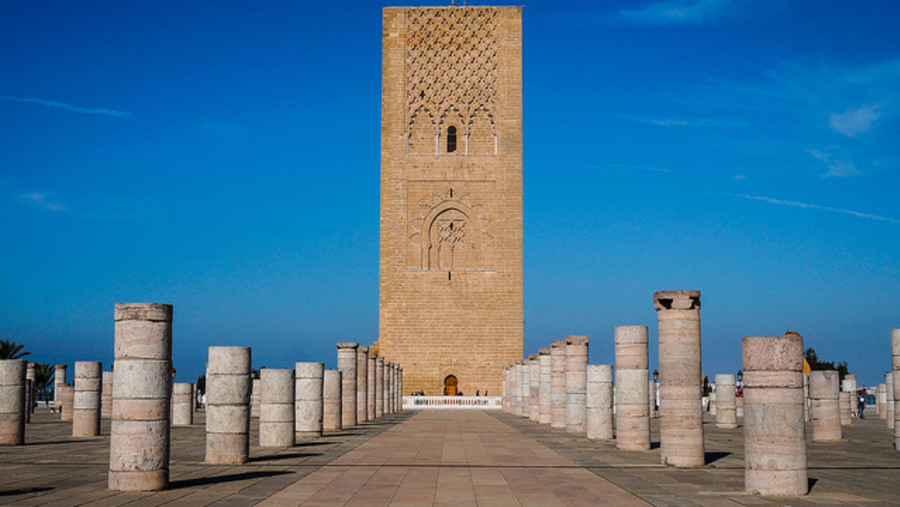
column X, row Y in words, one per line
column 66, row 402
column 774, row 431
column 308, row 398
column 106, row 388
column 12, row 401
column 895, row 353
column 726, row 403
column 346, row 362
column 370, row 386
column 544, row 373
column 59, row 380
column 851, row 388
column 844, row 403
column 576, row 383
column 331, row 395
column 386, row 387
column 142, row 389
column 600, row 401
column 558, row 384
column 362, row 387
column 182, row 415
column 881, row 400
column 30, row 381
column 379, row 387
column 86, row 414
column 680, row 393
column 228, row 406
column 276, row 407
column 824, row 412
column 889, row 390
column 632, row 381
column 806, row 398
column 390, row 388
column 522, row 387
column 254, row 397
column 534, row 387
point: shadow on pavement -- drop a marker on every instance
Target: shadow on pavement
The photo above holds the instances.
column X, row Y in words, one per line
column 218, row 479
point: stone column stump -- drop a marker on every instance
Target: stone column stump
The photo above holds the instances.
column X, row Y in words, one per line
column 824, row 412
column 680, row 394
column 276, row 407
column 142, row 390
column 576, row 383
column 12, row 401
column 106, row 380
column 534, row 387
column 66, row 402
column 370, row 386
column 895, row 359
column 308, row 396
column 632, row 383
column 558, row 384
column 182, row 415
column 379, row 387
column 544, row 373
column 228, row 406
column 346, row 362
column 59, row 380
column 774, row 431
column 600, row 402
column 726, row 402
column 331, row 417
column 362, row 386
column 86, row 409
column 844, row 407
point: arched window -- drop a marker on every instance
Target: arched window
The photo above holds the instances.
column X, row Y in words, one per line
column 451, row 139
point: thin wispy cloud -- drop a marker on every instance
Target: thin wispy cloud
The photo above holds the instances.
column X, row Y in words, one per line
column 682, row 122
column 68, row 107
column 803, row 205
column 43, row 200
column 631, row 168
column 680, row 12
column 837, row 167
column 854, row 122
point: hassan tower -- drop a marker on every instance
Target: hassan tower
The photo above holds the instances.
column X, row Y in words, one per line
column 450, row 309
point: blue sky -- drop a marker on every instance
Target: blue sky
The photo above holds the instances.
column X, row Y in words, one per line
column 224, row 157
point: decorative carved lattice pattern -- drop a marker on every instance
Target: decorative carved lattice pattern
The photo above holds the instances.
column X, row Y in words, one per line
column 451, row 64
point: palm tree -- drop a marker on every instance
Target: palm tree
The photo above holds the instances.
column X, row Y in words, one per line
column 12, row 350
column 43, row 374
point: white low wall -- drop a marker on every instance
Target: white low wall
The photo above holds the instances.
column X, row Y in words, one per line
column 448, row 402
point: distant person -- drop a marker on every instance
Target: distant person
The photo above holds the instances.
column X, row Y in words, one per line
column 861, row 404
column 478, row 392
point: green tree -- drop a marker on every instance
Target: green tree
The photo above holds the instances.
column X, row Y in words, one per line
column 12, row 350
column 43, row 374
column 817, row 364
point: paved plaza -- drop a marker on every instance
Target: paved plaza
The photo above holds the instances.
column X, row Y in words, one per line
column 442, row 457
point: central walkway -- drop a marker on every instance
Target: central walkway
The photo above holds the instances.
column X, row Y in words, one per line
column 444, row 457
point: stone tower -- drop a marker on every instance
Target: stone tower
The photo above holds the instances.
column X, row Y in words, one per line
column 450, row 309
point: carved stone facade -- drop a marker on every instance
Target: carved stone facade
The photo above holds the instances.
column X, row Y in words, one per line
column 451, row 195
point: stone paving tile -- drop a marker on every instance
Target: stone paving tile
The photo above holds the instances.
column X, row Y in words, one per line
column 861, row 469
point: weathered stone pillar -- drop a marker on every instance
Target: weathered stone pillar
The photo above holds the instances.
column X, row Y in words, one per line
column 142, row 388
column 844, row 403
column 106, row 388
column 308, row 398
column 558, row 384
column 30, row 390
column 534, row 387
column 12, row 401
column 67, row 402
column 59, row 380
column 276, row 407
column 370, row 386
column 390, row 388
column 182, row 415
column 362, row 387
column 254, row 397
column 824, row 413
column 379, row 387
column 544, row 374
column 774, row 432
column 740, row 406
column 806, row 398
column 889, row 390
column 895, row 353
column 521, row 384
column 881, row 400
column 632, row 382
column 851, row 388
column 600, row 401
column 726, row 403
column 386, row 387
column 346, row 362
column 576, row 383
column 331, row 394
column 228, row 406
column 86, row 414
column 680, row 394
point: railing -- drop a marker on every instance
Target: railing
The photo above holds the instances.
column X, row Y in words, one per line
column 449, row 402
